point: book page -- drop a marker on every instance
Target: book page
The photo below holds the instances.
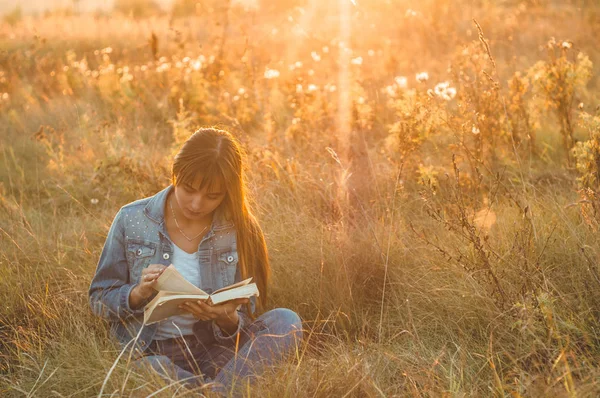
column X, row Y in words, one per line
column 166, row 304
column 242, row 283
column 171, row 280
column 244, row 291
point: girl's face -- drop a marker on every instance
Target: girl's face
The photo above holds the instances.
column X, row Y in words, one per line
column 196, row 203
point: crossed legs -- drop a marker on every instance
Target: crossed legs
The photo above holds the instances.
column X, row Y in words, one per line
column 264, row 343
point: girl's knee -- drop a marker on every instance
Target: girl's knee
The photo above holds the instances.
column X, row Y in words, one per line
column 283, row 321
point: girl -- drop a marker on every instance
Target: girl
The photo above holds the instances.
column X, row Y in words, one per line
column 202, row 224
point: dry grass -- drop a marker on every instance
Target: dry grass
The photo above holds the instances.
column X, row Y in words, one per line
column 435, row 242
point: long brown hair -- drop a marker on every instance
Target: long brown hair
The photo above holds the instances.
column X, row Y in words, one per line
column 217, row 156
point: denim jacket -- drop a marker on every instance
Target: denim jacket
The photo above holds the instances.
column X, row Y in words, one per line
column 138, row 238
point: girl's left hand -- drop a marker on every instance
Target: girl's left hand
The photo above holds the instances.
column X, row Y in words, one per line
column 223, row 314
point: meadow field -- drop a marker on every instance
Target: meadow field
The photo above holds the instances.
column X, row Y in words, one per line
column 427, row 175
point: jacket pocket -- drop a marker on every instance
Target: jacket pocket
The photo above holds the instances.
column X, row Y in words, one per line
column 139, row 256
column 228, row 261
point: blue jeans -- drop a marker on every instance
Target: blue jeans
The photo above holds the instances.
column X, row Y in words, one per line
column 265, row 342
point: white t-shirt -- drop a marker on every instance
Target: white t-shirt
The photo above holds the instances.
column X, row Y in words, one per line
column 188, row 265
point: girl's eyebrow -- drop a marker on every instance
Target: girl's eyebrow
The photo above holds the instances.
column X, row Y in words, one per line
column 194, row 189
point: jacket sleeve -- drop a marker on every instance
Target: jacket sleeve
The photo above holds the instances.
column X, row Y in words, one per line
column 110, row 288
column 244, row 319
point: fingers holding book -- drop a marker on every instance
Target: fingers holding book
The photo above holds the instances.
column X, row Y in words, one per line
column 205, row 311
column 148, row 279
column 146, row 286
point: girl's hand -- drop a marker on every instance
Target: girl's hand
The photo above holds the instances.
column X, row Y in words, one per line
column 224, row 314
column 147, row 284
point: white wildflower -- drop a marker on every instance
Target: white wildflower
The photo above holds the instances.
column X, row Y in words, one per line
column 316, row 57
column 401, row 81
column 410, row 13
column 444, row 91
column 391, row 91
column 312, row 87
column 357, row 61
column 440, row 88
column 475, row 130
column 422, row 77
column 163, row 67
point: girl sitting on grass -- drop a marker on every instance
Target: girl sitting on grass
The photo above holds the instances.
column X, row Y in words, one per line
column 202, row 224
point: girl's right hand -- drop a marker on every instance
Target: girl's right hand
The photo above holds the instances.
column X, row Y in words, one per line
column 147, row 284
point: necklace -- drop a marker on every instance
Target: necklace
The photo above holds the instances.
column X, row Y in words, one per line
column 181, row 230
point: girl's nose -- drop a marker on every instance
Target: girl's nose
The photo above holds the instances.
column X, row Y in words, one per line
column 197, row 203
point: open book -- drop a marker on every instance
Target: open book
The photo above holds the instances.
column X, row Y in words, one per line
column 174, row 289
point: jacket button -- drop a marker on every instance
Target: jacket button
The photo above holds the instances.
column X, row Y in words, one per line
column 139, row 252
column 166, row 256
column 229, row 259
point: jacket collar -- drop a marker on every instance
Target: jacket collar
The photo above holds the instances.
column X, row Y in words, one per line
column 155, row 210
